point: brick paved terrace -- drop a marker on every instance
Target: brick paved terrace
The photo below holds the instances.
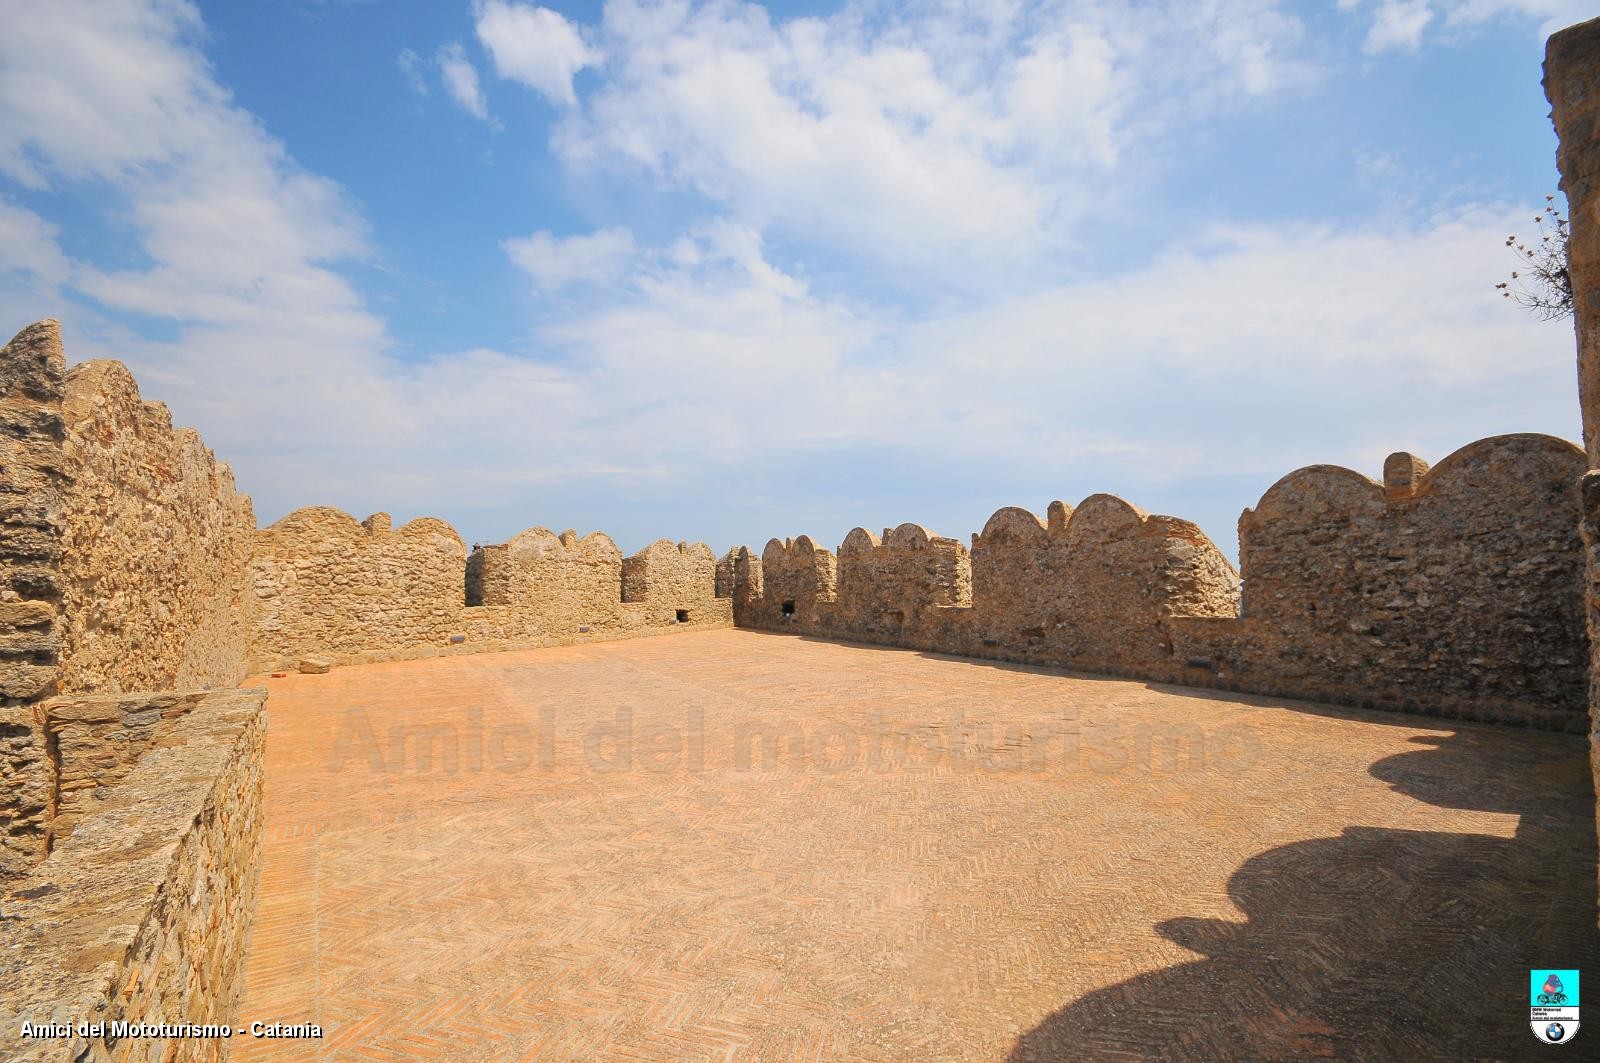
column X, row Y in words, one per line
column 734, row 845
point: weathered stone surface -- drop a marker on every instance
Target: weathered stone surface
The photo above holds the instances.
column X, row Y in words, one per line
column 27, row 790
column 318, row 665
column 1455, row 590
column 723, row 586
column 97, row 740
column 143, row 914
column 1091, row 589
column 885, row 584
column 33, row 485
column 156, row 549
column 800, row 581
column 1572, row 84
column 549, row 583
column 674, row 584
column 554, row 587
column 123, row 551
column 1460, row 595
column 327, row 585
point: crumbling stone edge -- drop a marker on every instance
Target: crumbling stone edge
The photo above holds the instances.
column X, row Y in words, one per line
column 143, row 914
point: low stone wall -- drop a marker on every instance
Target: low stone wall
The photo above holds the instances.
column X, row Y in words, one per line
column 545, row 583
column 1091, row 590
column 128, row 561
column 143, row 914
column 1456, row 591
column 675, row 584
column 330, row 587
column 327, row 585
column 97, row 740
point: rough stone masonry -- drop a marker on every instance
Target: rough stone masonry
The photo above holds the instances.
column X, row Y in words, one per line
column 1572, row 84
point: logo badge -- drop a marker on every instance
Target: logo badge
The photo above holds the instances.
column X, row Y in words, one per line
column 1553, row 1005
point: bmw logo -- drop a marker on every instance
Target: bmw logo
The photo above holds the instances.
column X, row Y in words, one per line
column 1555, row 1032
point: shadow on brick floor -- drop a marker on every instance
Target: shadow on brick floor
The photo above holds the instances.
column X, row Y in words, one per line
column 1379, row 943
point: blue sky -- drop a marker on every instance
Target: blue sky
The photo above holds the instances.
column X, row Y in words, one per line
column 722, row 271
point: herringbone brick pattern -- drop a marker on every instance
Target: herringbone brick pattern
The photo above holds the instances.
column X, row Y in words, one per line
column 912, row 858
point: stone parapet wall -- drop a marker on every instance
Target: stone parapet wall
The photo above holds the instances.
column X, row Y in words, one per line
column 884, row 583
column 33, row 488
column 96, row 740
column 33, row 492
column 544, row 582
column 1572, row 84
column 1091, row 589
column 156, row 548
column 1456, row 591
column 675, row 584
column 143, row 914
column 327, row 586
column 123, row 552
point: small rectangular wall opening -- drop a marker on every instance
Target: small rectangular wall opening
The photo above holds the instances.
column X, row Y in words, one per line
column 788, row 608
column 683, row 616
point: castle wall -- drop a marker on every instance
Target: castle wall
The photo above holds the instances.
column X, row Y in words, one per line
column 674, row 584
column 722, row 585
column 749, row 586
column 1455, row 591
column 550, row 583
column 799, row 581
column 123, row 552
column 1572, row 84
column 1092, row 589
column 326, row 585
column 156, row 549
column 143, row 914
column 329, row 587
column 886, row 586
column 32, row 524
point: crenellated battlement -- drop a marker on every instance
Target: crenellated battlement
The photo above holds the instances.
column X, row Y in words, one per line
column 1454, row 590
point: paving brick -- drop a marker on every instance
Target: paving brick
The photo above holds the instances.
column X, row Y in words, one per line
column 814, row 850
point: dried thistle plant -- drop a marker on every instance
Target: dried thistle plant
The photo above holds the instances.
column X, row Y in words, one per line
column 1542, row 284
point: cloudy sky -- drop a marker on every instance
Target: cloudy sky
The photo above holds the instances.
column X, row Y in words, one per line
column 724, row 271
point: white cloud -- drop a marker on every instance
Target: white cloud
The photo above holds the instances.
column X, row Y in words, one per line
column 1553, row 14
column 554, row 262
column 461, row 80
column 533, row 45
column 1314, row 317
column 917, row 136
column 28, row 244
column 1401, row 25
column 240, row 240
column 1397, row 25
column 410, row 64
